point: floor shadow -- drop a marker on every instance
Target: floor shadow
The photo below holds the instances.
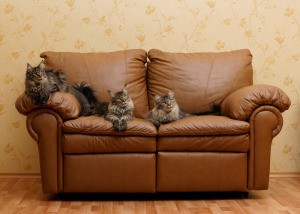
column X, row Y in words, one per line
column 149, row 196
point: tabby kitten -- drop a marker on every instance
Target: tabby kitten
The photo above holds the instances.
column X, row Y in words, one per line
column 120, row 109
column 165, row 110
column 40, row 84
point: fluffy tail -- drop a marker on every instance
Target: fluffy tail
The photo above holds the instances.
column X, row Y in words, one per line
column 84, row 104
column 214, row 111
column 96, row 107
column 87, row 91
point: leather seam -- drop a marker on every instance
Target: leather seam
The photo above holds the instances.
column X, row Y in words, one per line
column 126, row 70
column 173, row 85
column 209, row 76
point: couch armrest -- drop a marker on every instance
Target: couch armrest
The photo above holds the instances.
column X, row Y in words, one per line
column 65, row 104
column 241, row 103
column 45, row 127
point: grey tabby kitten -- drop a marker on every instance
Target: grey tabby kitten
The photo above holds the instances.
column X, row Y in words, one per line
column 40, row 84
column 120, row 109
column 165, row 110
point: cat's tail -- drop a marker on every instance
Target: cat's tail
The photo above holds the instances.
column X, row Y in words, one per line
column 97, row 108
column 214, row 111
column 84, row 104
column 87, row 91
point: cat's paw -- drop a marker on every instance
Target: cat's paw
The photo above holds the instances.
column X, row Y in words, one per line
column 43, row 102
column 117, row 125
column 120, row 125
column 38, row 101
column 123, row 125
column 44, row 99
column 157, row 125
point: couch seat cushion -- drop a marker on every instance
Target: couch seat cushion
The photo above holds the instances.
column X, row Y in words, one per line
column 231, row 143
column 204, row 133
column 87, row 144
column 93, row 125
column 206, row 125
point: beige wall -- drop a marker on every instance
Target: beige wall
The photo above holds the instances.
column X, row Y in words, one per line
column 269, row 28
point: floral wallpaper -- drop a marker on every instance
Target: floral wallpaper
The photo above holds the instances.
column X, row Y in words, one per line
column 269, row 28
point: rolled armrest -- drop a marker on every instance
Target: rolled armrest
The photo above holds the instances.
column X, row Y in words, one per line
column 65, row 104
column 241, row 103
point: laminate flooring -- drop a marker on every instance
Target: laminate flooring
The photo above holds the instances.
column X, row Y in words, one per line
column 24, row 195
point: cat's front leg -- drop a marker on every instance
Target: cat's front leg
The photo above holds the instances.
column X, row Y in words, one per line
column 123, row 124
column 36, row 99
column 117, row 125
column 128, row 114
column 44, row 97
column 127, row 117
column 111, row 117
column 40, row 99
column 164, row 120
column 124, row 121
column 116, row 122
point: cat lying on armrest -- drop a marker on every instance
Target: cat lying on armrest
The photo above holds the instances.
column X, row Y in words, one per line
column 40, row 84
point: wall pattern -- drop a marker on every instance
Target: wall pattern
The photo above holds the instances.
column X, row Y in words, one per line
column 269, row 28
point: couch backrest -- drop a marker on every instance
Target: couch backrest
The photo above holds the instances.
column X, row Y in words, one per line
column 199, row 80
column 106, row 71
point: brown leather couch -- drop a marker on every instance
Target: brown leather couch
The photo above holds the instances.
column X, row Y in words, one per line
column 229, row 152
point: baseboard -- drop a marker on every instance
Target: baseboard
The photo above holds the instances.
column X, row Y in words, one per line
column 20, row 175
column 285, row 175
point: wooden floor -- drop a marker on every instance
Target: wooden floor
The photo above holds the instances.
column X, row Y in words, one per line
column 24, row 195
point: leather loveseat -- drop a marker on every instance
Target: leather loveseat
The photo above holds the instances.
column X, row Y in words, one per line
column 225, row 152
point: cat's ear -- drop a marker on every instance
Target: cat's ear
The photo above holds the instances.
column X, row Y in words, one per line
column 124, row 90
column 171, row 94
column 111, row 94
column 157, row 98
column 29, row 67
column 41, row 65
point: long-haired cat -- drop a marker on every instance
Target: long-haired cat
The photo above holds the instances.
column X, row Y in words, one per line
column 40, row 84
column 165, row 110
column 120, row 109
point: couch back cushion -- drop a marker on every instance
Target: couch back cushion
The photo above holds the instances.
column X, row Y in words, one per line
column 199, row 80
column 106, row 71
